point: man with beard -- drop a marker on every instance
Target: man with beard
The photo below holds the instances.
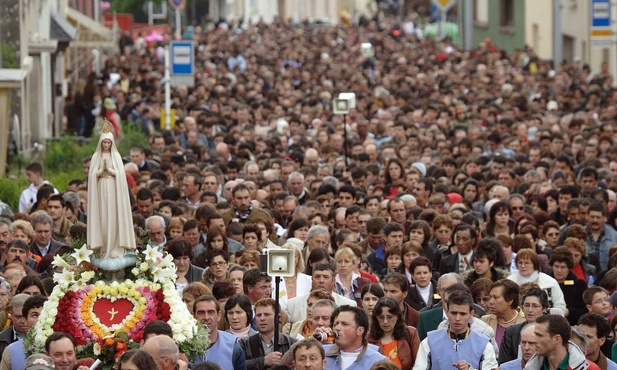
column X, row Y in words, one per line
column 6, row 234
column 17, row 251
column 242, row 210
column 600, row 236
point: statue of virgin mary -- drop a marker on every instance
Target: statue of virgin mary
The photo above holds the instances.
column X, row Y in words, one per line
column 110, row 223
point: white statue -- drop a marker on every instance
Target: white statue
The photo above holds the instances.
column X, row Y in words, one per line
column 110, row 222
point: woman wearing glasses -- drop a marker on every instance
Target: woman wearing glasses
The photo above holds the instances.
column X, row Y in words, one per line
column 534, row 304
column 550, row 234
column 398, row 342
column 528, row 265
column 217, row 261
column 562, row 262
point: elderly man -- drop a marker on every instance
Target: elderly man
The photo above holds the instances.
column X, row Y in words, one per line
column 323, row 278
column 528, row 348
column 155, row 226
column 295, row 183
column 19, row 325
column 164, row 351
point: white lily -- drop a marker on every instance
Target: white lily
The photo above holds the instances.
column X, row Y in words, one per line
column 65, row 278
column 152, row 254
column 60, row 262
column 82, row 254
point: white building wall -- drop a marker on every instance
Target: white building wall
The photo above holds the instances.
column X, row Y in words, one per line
column 575, row 23
column 539, row 27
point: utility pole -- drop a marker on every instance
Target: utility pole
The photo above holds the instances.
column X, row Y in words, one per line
column 468, row 22
column 557, row 35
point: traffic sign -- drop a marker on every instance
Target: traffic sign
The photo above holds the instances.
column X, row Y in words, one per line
column 182, row 63
column 443, row 5
column 601, row 31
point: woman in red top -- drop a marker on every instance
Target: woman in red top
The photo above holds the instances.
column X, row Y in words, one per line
column 398, row 342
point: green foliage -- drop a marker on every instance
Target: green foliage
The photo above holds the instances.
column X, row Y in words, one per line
column 196, row 346
column 64, row 157
column 135, row 7
column 10, row 58
column 10, row 190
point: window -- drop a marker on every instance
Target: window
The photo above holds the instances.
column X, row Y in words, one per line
column 480, row 11
column 506, row 12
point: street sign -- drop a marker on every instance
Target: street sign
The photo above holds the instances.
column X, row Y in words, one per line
column 601, row 32
column 443, row 5
column 182, row 63
column 177, row 4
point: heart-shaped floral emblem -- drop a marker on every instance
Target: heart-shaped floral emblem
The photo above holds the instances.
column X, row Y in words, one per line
column 99, row 311
column 112, row 312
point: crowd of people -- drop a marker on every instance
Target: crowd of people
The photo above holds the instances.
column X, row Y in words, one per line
column 461, row 215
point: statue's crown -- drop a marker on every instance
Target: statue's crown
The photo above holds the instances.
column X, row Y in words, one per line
column 106, row 126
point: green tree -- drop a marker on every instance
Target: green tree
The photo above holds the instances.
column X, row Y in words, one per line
column 138, row 8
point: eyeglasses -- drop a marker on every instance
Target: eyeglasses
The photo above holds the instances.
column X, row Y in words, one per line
column 598, row 301
column 218, row 264
column 265, row 288
column 517, row 208
column 388, row 318
column 532, row 305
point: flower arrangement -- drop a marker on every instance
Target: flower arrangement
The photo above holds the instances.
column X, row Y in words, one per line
column 108, row 318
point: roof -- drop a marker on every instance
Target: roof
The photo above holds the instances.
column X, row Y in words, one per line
column 61, row 29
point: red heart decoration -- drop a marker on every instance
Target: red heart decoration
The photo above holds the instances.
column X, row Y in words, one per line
column 110, row 313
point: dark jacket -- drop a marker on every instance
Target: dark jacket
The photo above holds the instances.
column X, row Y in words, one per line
column 54, row 245
column 429, row 320
column 414, row 299
column 412, row 316
column 573, row 289
column 473, row 276
column 254, row 353
column 377, row 264
column 6, row 337
column 508, row 350
column 194, row 274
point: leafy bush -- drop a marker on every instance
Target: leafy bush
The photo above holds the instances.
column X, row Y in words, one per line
column 10, row 190
column 64, row 157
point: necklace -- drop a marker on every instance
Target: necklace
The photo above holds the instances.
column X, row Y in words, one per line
column 508, row 321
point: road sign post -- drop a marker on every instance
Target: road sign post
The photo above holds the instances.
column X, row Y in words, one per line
column 443, row 6
column 182, row 63
column 601, row 31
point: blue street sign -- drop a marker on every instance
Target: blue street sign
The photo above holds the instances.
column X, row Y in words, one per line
column 182, row 58
column 600, row 13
